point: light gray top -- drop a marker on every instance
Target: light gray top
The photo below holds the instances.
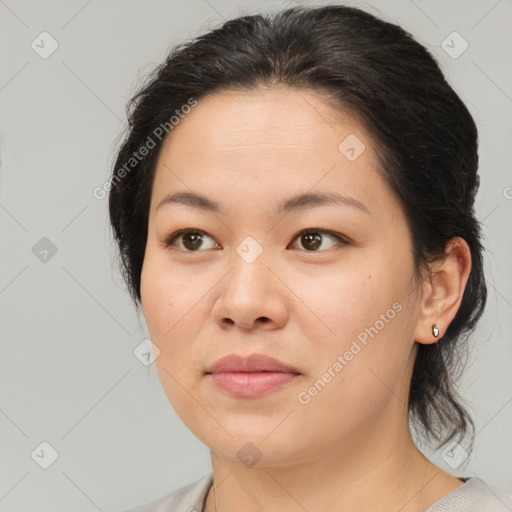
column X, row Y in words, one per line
column 474, row 495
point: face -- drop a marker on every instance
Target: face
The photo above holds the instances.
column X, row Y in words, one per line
column 233, row 274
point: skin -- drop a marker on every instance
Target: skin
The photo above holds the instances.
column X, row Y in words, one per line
column 349, row 448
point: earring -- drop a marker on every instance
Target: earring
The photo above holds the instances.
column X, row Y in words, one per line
column 435, row 330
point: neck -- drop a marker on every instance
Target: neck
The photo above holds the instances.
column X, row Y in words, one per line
column 366, row 473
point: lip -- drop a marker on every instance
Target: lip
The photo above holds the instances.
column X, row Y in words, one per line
column 251, row 376
column 251, row 363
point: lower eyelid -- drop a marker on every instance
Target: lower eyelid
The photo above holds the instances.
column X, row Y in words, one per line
column 170, row 241
column 340, row 239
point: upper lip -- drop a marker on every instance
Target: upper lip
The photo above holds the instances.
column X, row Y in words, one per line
column 251, row 363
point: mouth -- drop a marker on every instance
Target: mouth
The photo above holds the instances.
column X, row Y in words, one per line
column 252, row 376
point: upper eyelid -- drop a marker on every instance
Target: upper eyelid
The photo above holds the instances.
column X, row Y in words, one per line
column 341, row 238
column 173, row 236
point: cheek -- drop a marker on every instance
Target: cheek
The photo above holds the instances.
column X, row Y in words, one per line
column 175, row 304
column 174, row 326
column 155, row 300
column 361, row 314
column 167, row 296
column 346, row 300
column 159, row 304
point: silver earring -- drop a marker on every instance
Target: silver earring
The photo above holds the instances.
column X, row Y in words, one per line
column 435, row 330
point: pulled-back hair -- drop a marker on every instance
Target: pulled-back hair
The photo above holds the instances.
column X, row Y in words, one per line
column 425, row 137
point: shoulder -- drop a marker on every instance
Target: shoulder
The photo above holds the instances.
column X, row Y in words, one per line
column 187, row 499
column 474, row 495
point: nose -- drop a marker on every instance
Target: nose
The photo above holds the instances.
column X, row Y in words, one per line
column 251, row 297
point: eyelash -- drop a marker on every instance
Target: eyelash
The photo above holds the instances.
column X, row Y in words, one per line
column 169, row 241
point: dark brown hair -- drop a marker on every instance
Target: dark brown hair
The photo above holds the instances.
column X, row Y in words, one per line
column 425, row 137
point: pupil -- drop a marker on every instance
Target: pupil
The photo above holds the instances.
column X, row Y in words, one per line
column 314, row 239
column 192, row 240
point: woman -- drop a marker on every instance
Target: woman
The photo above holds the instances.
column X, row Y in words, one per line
column 293, row 206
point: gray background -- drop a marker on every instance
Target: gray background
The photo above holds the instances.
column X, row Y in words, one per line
column 68, row 329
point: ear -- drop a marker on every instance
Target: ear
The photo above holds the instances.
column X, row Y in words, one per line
column 443, row 289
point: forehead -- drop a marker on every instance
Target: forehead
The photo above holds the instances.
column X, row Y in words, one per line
column 280, row 115
column 266, row 143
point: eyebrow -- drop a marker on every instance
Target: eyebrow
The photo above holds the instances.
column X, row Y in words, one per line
column 295, row 203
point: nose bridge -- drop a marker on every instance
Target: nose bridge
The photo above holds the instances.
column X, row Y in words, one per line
column 249, row 275
column 250, row 292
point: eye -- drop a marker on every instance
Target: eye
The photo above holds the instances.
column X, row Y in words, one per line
column 191, row 240
column 312, row 239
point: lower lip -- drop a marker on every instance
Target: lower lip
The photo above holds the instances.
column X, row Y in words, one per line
column 251, row 384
